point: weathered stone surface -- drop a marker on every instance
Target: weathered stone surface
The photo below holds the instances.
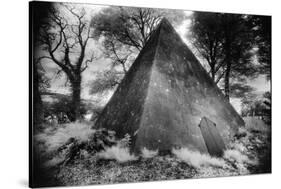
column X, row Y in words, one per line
column 163, row 97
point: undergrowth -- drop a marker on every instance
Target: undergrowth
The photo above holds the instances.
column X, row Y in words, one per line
column 86, row 156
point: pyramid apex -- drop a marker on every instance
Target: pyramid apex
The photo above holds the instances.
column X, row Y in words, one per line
column 165, row 21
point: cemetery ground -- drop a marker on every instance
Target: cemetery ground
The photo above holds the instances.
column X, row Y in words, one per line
column 75, row 154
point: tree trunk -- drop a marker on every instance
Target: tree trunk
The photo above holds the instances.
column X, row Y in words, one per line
column 37, row 101
column 226, row 82
column 76, row 98
column 213, row 73
column 228, row 67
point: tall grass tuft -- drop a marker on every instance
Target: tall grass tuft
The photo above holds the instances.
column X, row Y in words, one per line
column 118, row 153
column 146, row 153
column 197, row 159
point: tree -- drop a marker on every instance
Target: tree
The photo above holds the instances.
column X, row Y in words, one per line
column 255, row 105
column 226, row 42
column 64, row 38
column 131, row 26
column 262, row 32
column 206, row 35
column 240, row 89
column 237, row 48
column 125, row 31
column 105, row 81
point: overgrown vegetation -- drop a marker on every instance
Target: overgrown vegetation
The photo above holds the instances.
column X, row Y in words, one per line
column 80, row 155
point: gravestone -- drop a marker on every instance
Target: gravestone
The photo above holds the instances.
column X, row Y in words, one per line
column 212, row 138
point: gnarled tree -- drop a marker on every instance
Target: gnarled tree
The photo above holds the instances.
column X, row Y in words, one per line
column 63, row 39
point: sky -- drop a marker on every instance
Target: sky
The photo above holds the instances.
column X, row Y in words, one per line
column 58, row 82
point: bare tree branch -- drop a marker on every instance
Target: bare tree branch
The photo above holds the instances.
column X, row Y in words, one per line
column 220, row 76
column 87, row 62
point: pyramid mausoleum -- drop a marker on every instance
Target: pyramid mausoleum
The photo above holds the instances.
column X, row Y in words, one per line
column 165, row 95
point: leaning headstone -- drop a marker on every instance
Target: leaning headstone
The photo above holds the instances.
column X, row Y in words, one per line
column 212, row 138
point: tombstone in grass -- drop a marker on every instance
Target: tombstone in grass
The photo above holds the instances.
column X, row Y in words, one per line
column 163, row 97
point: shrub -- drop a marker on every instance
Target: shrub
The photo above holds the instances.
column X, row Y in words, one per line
column 99, row 140
column 125, row 142
column 242, row 132
column 53, row 139
column 73, row 141
column 62, row 106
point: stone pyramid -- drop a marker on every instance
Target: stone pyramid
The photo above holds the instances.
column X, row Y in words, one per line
column 163, row 97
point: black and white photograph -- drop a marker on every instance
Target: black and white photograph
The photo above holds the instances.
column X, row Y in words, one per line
column 122, row 94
